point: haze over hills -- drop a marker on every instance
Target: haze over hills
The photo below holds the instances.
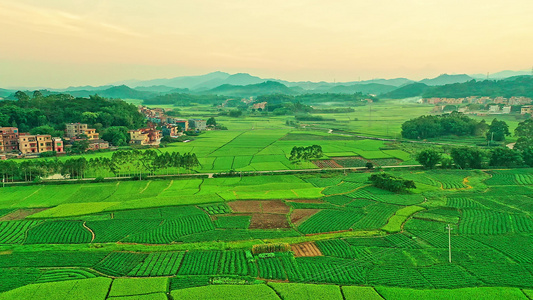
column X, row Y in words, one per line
column 246, row 85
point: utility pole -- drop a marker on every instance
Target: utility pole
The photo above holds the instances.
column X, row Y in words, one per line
column 449, row 242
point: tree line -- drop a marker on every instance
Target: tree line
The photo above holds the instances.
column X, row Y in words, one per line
column 521, row 155
column 122, row 163
column 41, row 114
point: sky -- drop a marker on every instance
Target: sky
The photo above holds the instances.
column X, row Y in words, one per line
column 60, row 43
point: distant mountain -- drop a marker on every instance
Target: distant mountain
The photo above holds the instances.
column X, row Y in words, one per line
column 264, row 88
column 155, row 88
column 370, row 88
column 235, row 79
column 509, row 87
column 408, row 91
column 446, row 79
column 502, row 74
column 395, row 81
column 188, row 82
column 117, row 92
column 83, row 88
column 5, row 93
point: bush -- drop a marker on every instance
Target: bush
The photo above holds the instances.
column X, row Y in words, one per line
column 391, row 183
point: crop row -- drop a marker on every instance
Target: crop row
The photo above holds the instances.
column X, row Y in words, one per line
column 271, row 268
column 64, row 274
column 13, row 232
column 119, row 263
column 215, row 209
column 172, row 230
column 479, row 221
column 330, row 220
column 158, row 264
column 59, row 232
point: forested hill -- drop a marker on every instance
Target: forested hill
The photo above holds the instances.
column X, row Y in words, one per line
column 55, row 110
column 514, row 86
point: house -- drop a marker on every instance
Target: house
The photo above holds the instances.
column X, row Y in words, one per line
column 527, row 109
column 98, row 144
column 170, row 130
column 145, row 137
column 182, row 123
column 494, row 109
column 40, row 143
column 58, row 145
column 198, row 124
column 9, row 139
column 506, row 109
column 74, row 130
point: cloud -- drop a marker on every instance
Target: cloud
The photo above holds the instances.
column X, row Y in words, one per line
column 20, row 16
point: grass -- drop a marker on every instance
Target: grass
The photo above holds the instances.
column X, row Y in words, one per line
column 395, row 222
column 138, row 286
column 95, row 288
column 257, row 291
column 464, row 293
column 296, row 291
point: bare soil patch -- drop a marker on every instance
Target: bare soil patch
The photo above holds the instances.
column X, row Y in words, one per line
column 275, row 207
column 307, row 201
column 268, row 221
column 327, row 164
column 306, row 249
column 22, row 213
column 298, row 216
column 245, row 206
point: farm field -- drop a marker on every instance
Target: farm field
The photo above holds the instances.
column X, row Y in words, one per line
column 201, row 238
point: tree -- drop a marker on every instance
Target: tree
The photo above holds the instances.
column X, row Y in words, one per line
column 505, row 157
column 524, row 132
column 79, row 146
column 391, row 183
column 116, row 135
column 369, row 165
column 21, row 96
column 211, row 122
column 527, row 155
column 498, row 130
column 235, row 113
column 305, row 153
column 467, row 157
column 46, row 129
column 429, row 158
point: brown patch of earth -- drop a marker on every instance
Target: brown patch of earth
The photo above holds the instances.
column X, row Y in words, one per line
column 245, row 206
column 22, row 213
column 306, row 249
column 268, row 221
column 275, row 207
column 307, row 201
column 298, row 216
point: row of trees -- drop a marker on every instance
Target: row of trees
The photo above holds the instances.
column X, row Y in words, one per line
column 476, row 158
column 121, row 163
column 305, row 153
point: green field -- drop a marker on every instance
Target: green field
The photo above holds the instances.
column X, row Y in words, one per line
column 193, row 237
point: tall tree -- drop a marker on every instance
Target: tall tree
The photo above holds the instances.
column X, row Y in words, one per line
column 498, row 130
column 428, row 158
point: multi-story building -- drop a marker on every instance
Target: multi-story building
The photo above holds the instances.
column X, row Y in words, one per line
column 181, row 123
column 59, row 147
column 9, row 139
column 527, row 109
column 170, row 130
column 74, row 130
column 145, row 137
column 198, row 124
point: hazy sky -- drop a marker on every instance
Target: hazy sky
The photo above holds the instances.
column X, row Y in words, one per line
column 59, row 43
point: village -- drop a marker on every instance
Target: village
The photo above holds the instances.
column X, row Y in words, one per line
column 15, row 144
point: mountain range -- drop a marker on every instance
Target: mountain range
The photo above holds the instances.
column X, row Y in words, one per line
column 246, row 85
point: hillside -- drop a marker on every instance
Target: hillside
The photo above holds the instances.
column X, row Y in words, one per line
column 265, row 88
column 515, row 86
column 117, row 92
column 446, row 79
column 408, row 91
